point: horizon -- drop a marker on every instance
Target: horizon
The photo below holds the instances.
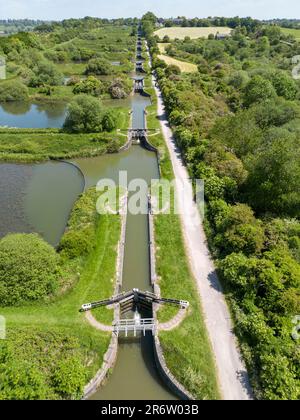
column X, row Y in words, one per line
column 54, row 10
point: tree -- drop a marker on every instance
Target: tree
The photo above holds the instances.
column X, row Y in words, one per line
column 13, row 91
column 150, row 17
column 284, row 85
column 239, row 79
column 28, row 269
column 46, row 73
column 258, row 90
column 90, row 86
column 240, row 231
column 278, row 378
column 109, row 120
column 172, row 70
column 274, row 175
column 120, row 88
column 99, row 66
column 84, row 115
column 274, row 113
column 239, row 132
column 69, row 378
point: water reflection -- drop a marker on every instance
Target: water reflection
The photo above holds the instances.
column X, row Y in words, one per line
column 28, row 115
column 38, row 198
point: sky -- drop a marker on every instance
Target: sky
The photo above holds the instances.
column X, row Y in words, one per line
column 62, row 9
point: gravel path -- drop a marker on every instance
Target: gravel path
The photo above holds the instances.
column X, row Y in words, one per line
column 232, row 374
column 174, row 322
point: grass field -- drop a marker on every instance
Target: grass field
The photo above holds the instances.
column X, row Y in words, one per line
column 37, row 145
column 293, row 32
column 193, row 33
column 183, row 65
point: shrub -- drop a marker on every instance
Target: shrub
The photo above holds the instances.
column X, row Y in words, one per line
column 84, row 115
column 46, row 73
column 284, row 85
column 99, row 66
column 120, row 88
column 258, row 90
column 28, row 269
column 39, row 365
column 78, row 243
column 69, row 378
column 13, row 91
column 109, row 120
column 90, row 86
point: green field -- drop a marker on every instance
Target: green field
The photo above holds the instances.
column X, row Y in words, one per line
column 35, row 145
column 292, row 32
column 193, row 33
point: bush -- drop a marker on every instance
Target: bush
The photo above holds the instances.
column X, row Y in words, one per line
column 99, row 66
column 69, row 378
column 109, row 120
column 284, row 85
column 90, row 86
column 36, row 365
column 46, row 73
column 258, row 90
column 13, row 91
column 78, row 243
column 84, row 115
column 29, row 269
column 120, row 88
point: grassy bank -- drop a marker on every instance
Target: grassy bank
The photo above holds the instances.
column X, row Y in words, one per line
column 34, row 145
column 188, row 343
column 88, row 252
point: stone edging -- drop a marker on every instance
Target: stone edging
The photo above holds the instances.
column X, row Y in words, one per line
column 110, row 356
column 69, row 162
column 161, row 365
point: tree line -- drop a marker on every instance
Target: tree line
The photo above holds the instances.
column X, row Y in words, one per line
column 237, row 123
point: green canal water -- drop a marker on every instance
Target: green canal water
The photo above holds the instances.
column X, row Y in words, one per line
column 135, row 375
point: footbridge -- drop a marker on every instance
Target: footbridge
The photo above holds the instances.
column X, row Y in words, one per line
column 138, row 85
column 140, row 136
column 135, row 301
column 139, row 66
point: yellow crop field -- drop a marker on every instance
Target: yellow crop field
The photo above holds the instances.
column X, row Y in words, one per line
column 183, row 65
column 193, row 33
column 162, row 47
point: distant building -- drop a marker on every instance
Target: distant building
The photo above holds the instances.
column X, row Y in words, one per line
column 178, row 21
column 222, row 36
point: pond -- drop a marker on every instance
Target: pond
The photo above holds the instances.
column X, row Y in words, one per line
column 28, row 115
column 38, row 198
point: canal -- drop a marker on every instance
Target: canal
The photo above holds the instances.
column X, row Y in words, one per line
column 39, row 198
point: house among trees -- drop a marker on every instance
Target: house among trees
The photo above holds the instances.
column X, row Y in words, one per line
column 221, row 36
